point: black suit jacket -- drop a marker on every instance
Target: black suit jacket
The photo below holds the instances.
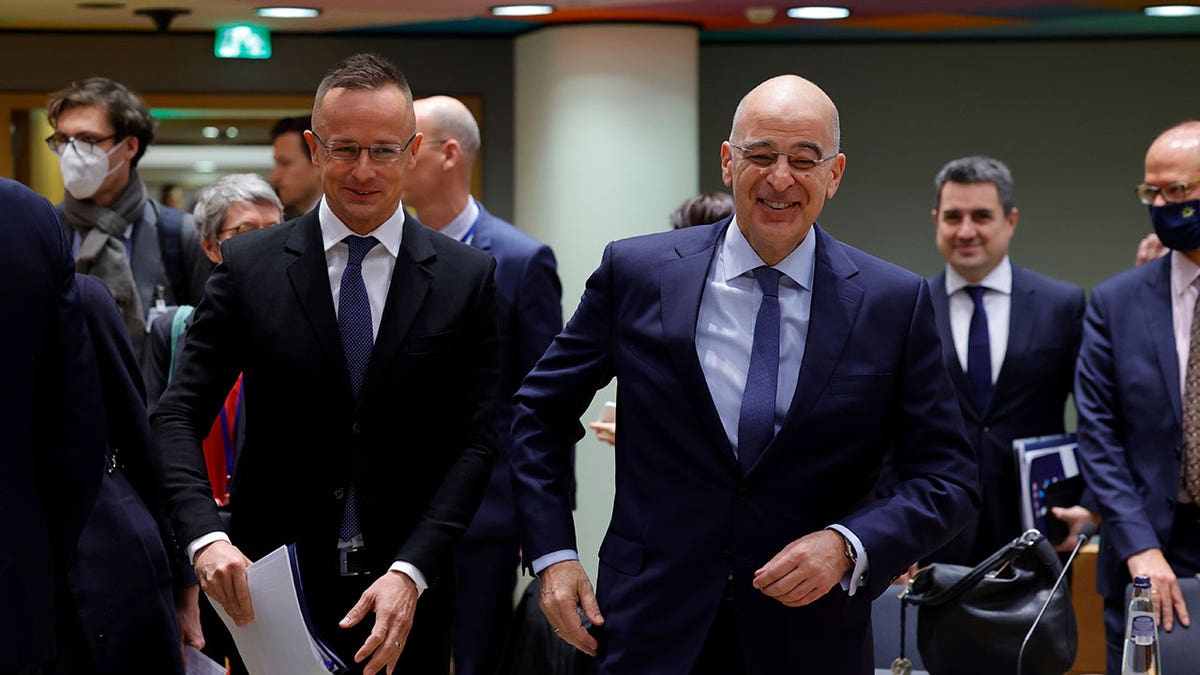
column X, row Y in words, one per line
column 1029, row 397
column 51, row 418
column 419, row 444
column 121, row 582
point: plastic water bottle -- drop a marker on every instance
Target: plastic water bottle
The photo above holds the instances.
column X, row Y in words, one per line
column 1141, row 633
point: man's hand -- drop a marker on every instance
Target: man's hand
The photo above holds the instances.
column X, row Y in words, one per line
column 805, row 569
column 1149, row 248
column 605, row 431
column 1164, row 588
column 1075, row 518
column 221, row 569
column 393, row 598
column 187, row 613
column 565, row 586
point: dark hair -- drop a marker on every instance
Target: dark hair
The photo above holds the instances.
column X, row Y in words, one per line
column 362, row 71
column 298, row 125
column 702, row 209
column 127, row 112
column 976, row 169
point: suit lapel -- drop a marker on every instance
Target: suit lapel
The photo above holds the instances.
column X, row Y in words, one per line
column 1022, row 306
column 941, row 313
column 410, row 284
column 836, row 299
column 309, row 276
column 681, row 285
column 1155, row 301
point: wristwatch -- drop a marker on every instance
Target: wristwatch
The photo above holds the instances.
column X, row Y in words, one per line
column 849, row 552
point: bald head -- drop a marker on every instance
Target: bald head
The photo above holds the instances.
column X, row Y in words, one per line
column 1182, row 139
column 787, row 94
column 442, row 118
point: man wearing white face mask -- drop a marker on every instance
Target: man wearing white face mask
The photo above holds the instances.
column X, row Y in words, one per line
column 140, row 249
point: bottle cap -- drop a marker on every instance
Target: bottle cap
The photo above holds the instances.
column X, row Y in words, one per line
column 1141, row 582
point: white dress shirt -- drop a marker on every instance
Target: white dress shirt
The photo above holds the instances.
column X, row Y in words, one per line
column 462, row 228
column 997, row 302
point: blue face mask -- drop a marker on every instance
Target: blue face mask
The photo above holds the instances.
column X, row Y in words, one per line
column 1177, row 225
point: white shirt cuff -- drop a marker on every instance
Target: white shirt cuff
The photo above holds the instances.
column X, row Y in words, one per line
column 855, row 577
column 542, row 562
column 202, row 541
column 411, row 571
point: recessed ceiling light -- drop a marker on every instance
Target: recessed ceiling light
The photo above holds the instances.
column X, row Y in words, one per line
column 288, row 12
column 1171, row 11
column 818, row 13
column 210, row 132
column 522, row 10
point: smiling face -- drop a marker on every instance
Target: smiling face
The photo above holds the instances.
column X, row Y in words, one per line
column 777, row 205
column 363, row 192
column 972, row 230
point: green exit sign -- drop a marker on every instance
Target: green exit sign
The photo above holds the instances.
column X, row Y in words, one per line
column 243, row 41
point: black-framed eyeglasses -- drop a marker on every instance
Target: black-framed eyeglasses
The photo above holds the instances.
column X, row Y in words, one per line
column 379, row 152
column 1172, row 192
column 81, row 144
column 764, row 157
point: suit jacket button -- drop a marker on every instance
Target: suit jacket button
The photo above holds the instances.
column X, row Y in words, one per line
column 987, row 430
column 356, row 428
column 338, row 494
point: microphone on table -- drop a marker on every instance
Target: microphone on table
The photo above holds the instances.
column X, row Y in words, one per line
column 1086, row 532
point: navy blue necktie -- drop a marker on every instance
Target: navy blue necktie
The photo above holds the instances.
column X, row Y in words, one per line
column 354, row 323
column 756, row 422
column 979, row 351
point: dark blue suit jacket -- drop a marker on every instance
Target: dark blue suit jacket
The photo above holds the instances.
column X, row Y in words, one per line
column 684, row 517
column 1130, row 433
column 121, row 582
column 1029, row 397
column 529, row 300
column 50, row 415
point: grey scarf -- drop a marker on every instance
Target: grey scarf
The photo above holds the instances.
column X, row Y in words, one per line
column 102, row 247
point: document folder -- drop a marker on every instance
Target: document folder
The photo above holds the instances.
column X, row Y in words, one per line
column 281, row 640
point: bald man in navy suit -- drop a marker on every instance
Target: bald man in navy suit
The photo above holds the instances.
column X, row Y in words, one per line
column 763, row 369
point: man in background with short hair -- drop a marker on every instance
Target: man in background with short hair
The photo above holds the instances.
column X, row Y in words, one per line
column 529, row 297
column 141, row 250
column 1009, row 339
column 296, row 177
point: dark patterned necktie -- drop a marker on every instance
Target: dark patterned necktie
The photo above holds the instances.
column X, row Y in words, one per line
column 354, row 323
column 1191, row 411
column 756, row 422
column 979, row 351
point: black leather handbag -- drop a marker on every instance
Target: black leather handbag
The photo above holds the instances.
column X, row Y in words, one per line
column 971, row 621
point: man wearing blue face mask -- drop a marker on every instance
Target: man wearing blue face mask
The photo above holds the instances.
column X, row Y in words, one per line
column 1137, row 387
column 142, row 250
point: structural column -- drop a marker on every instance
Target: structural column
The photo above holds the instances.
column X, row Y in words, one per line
column 606, row 134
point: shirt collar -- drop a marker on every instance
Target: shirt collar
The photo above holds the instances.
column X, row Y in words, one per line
column 333, row 230
column 1183, row 273
column 739, row 257
column 458, row 228
column 999, row 279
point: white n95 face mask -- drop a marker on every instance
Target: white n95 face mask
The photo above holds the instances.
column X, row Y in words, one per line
column 84, row 167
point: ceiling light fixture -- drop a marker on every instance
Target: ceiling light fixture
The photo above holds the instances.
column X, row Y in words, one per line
column 818, row 13
column 288, row 12
column 522, row 10
column 1171, row 11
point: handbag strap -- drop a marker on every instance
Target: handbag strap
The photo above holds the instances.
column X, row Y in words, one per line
column 994, row 563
